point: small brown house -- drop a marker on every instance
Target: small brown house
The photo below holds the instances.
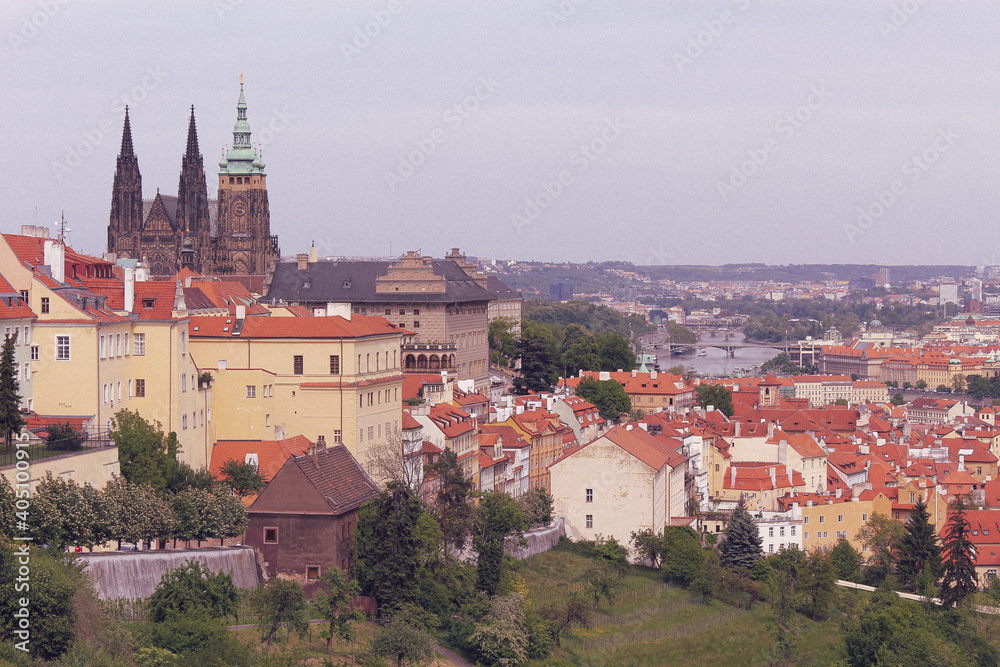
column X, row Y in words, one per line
column 304, row 520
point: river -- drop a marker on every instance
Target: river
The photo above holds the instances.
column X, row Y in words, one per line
column 716, row 361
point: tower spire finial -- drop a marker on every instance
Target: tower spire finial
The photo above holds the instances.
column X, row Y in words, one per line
column 126, row 150
column 192, row 138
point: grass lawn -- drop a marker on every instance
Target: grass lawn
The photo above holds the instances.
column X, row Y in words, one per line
column 650, row 623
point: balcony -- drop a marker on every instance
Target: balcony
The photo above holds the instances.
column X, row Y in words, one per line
column 428, row 357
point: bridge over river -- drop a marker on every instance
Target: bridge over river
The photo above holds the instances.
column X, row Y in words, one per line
column 729, row 340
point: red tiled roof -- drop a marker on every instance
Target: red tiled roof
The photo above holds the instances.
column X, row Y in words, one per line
column 204, row 326
column 271, row 454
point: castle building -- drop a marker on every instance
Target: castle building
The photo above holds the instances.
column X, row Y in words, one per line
column 229, row 235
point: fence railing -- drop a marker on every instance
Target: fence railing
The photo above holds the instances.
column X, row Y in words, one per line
column 92, row 439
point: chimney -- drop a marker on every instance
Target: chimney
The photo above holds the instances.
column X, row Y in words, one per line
column 302, row 261
column 770, row 429
column 321, row 442
column 732, row 476
column 839, row 491
column 736, row 429
column 788, row 471
column 783, row 451
column 314, row 454
column 774, row 478
column 187, row 281
column 54, row 256
column 338, row 310
column 644, row 426
column 634, row 372
column 241, row 313
column 961, row 462
column 628, row 427
column 129, row 289
column 652, row 375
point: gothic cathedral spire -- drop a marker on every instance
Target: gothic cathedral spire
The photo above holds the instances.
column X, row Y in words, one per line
column 126, row 197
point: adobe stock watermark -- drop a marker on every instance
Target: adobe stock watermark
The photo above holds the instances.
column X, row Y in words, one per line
column 913, row 170
column 278, row 121
column 108, row 126
column 451, row 120
column 223, row 7
column 21, row 624
column 580, row 161
column 901, row 14
column 711, row 30
column 785, row 127
column 364, row 34
column 562, row 13
column 44, row 11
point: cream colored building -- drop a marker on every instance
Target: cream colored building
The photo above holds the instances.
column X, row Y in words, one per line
column 625, row 481
column 316, row 376
column 101, row 344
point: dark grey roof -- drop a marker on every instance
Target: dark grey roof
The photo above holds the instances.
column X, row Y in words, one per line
column 499, row 289
column 169, row 203
column 339, row 478
column 354, row 282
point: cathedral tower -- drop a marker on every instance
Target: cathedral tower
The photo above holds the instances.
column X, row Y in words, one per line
column 126, row 199
column 193, row 221
column 244, row 244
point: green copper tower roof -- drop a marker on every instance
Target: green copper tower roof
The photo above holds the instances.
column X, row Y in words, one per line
column 241, row 160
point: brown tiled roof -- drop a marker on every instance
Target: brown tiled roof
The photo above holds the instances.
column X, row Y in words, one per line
column 339, row 478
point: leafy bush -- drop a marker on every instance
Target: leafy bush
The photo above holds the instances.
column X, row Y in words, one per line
column 191, row 588
column 63, row 437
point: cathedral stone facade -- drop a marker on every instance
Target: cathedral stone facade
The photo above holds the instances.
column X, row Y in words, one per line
column 229, row 235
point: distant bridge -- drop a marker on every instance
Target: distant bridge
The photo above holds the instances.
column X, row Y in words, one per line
column 727, row 339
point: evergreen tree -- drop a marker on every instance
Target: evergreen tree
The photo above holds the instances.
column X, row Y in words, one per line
column 387, row 547
column 846, row 561
column 742, row 546
column 919, row 560
column 960, row 556
column 453, row 506
column 498, row 517
column 11, row 420
column 539, row 353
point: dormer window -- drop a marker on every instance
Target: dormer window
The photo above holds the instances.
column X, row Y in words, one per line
column 307, row 284
column 148, row 303
column 347, row 284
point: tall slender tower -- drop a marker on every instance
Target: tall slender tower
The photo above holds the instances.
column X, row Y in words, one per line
column 243, row 241
column 126, row 199
column 193, row 222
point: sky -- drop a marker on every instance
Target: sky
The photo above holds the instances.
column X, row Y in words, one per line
column 650, row 131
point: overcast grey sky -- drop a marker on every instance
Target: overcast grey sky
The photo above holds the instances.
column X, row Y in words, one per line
column 649, row 131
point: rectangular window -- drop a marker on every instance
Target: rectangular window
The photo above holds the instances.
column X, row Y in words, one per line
column 864, row 517
column 590, row 521
column 334, row 364
column 337, row 437
column 297, row 364
column 822, row 519
column 105, row 393
column 402, row 311
column 118, row 345
column 590, row 495
column 770, row 531
column 781, row 531
column 27, row 336
column 202, row 415
column 24, row 295
column 270, row 536
column 119, row 390
column 770, row 548
column 27, row 371
column 184, row 382
column 416, row 324
column 388, row 311
column 62, row 348
column 792, row 530
column 126, row 344
column 45, row 304
column 312, row 572
column 805, row 519
column 184, row 422
column 371, row 433
column 140, row 388
column 139, row 344
column 805, row 535
column 184, row 342
column 251, row 391
column 361, row 435
column 416, row 311
column 102, row 345
column 34, row 353
column 840, row 518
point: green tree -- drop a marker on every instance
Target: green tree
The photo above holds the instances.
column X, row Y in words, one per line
column 198, row 515
column 579, row 351
column 333, row 602
column 497, row 518
column 453, row 503
column 608, row 396
column 11, row 420
column 231, row 514
column 683, row 557
column 922, row 384
column 539, row 354
column 881, row 537
column 960, row 556
column 134, row 512
column 897, row 399
column 8, row 507
column 536, row 506
column 573, row 610
column 846, row 561
column 717, row 395
column 742, row 544
column 502, row 638
column 918, row 562
column 601, row 581
column 54, row 582
column 406, row 639
column 503, row 343
column 387, row 547
column 182, row 477
column 64, row 513
column 63, row 437
column 280, row 602
column 244, row 478
column 958, row 383
column 648, row 546
column 616, row 352
column 190, row 588
column 144, row 453
column 818, row 582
